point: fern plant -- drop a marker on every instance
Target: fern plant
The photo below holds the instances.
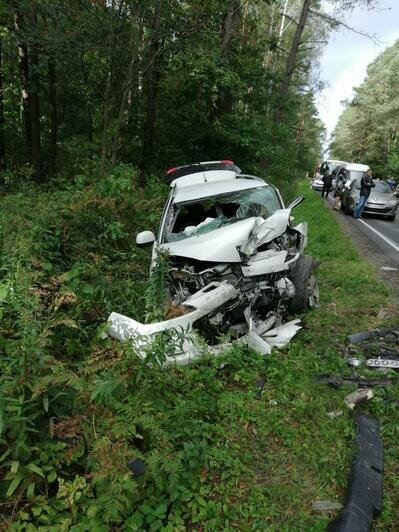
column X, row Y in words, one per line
column 157, row 289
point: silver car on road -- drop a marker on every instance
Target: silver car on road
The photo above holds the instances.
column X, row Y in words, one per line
column 381, row 201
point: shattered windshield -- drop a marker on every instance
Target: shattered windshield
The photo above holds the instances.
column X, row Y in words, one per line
column 202, row 216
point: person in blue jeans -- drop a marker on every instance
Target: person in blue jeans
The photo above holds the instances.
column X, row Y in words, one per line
column 366, row 184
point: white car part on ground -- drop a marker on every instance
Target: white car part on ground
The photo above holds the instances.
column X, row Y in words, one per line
column 263, row 339
column 204, row 302
column 382, row 363
column 277, row 337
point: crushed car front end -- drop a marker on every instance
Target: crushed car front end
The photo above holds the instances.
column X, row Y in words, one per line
column 236, row 263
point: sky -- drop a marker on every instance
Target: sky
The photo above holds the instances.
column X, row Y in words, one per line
column 345, row 58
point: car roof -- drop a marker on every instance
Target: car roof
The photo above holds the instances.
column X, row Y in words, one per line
column 333, row 161
column 213, row 183
column 357, row 166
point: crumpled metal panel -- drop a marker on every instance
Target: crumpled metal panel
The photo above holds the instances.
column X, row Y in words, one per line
column 264, row 262
column 267, row 230
column 204, row 301
column 217, row 246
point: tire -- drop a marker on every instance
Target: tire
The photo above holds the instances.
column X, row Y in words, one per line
column 349, row 207
column 306, row 287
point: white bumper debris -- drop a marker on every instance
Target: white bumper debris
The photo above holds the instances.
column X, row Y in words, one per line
column 204, row 301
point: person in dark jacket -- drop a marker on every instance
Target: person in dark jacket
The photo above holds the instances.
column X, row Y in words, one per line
column 324, row 169
column 366, row 184
column 327, row 180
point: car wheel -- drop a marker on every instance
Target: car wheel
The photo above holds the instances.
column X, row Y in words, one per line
column 306, row 287
column 349, row 207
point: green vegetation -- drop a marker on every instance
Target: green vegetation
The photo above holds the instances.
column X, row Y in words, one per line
column 240, row 441
column 367, row 130
column 95, row 99
column 157, row 84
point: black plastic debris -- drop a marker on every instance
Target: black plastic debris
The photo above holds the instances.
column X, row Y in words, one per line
column 137, row 467
column 377, row 349
column 361, row 336
column 260, row 384
column 364, row 494
column 337, row 381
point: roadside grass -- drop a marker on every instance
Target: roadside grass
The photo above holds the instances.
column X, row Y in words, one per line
column 238, row 442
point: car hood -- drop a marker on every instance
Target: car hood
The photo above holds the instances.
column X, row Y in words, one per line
column 223, row 244
column 381, row 196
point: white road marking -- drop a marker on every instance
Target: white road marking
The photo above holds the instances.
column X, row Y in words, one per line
column 386, row 239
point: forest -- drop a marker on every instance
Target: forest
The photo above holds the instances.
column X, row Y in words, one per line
column 154, row 84
column 367, row 130
column 97, row 99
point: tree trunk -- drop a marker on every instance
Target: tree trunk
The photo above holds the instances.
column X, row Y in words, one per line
column 229, row 25
column 11, row 74
column 53, row 116
column 148, row 142
column 127, row 91
column 224, row 102
column 108, row 85
column 37, row 162
column 107, row 100
column 291, row 61
column 89, row 124
column 23, row 60
column 2, row 124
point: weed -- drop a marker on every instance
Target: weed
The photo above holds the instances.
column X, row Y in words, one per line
column 220, row 452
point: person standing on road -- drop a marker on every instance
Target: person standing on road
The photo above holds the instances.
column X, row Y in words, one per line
column 366, row 184
column 327, row 180
column 324, row 168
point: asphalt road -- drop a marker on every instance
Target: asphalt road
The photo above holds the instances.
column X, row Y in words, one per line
column 382, row 233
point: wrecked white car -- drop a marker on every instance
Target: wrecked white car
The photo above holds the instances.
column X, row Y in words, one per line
column 236, row 262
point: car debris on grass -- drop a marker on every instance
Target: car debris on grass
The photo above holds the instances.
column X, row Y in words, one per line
column 374, row 349
column 236, row 263
column 336, row 381
column 326, row 508
column 359, row 396
column 364, row 492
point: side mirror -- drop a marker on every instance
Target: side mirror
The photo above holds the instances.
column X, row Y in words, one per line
column 145, row 237
column 296, row 202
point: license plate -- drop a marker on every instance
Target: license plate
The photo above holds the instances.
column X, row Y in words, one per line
column 382, row 363
column 376, row 205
